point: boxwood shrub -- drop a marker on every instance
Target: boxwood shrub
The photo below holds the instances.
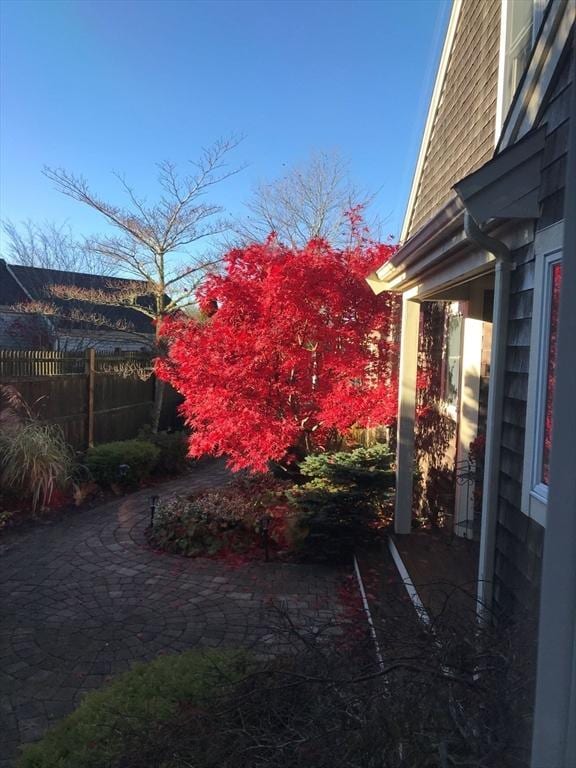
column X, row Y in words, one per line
column 123, row 716
column 173, row 458
column 126, row 462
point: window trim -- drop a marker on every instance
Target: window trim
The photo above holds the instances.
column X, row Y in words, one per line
column 538, row 18
column 548, row 245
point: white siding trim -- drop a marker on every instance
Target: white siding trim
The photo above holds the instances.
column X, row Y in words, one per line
column 436, row 93
column 368, row 613
column 468, row 421
column 501, row 71
column 407, row 372
column 408, row 584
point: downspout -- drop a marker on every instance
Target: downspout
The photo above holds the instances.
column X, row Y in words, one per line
column 490, row 485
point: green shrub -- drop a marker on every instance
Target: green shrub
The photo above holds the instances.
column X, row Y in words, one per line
column 124, row 715
column 173, row 458
column 449, row 690
column 341, row 504
column 363, row 467
column 332, row 521
column 35, row 460
column 125, row 463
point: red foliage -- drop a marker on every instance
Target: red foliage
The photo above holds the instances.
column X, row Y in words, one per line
column 297, row 348
column 352, row 611
column 477, row 448
column 551, row 369
column 58, row 499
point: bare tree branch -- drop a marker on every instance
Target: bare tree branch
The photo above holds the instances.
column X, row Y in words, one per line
column 49, row 246
column 158, row 243
column 150, row 236
column 307, row 202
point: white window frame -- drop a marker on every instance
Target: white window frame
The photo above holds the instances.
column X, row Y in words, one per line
column 538, row 8
column 548, row 245
column 539, row 11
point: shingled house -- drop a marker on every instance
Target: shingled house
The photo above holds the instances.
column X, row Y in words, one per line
column 68, row 325
column 484, row 256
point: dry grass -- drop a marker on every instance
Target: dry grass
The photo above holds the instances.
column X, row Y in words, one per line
column 34, row 457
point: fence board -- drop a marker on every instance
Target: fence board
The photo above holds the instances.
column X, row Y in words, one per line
column 57, row 387
column 16, row 363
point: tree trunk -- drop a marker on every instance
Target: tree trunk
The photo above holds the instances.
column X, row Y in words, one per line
column 159, row 388
column 159, row 384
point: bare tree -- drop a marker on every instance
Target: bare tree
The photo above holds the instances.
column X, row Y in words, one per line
column 48, row 245
column 157, row 244
column 308, row 201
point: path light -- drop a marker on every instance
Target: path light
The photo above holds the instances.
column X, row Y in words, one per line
column 123, row 470
column 153, row 504
column 264, row 526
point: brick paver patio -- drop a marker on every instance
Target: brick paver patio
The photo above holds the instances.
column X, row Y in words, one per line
column 83, row 598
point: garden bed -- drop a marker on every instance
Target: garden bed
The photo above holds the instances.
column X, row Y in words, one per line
column 250, row 519
column 342, row 499
column 42, row 478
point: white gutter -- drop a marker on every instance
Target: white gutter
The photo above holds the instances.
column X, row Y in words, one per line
column 368, row 613
column 430, row 244
column 495, row 407
column 408, row 584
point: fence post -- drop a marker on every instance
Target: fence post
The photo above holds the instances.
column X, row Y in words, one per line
column 89, row 370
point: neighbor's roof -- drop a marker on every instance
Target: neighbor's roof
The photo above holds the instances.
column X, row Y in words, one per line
column 32, row 284
column 10, row 292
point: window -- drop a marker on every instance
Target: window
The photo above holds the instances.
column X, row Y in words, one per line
column 519, row 25
column 518, row 45
column 451, row 365
column 542, row 373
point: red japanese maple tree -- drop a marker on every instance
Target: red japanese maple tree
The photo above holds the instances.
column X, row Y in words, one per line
column 292, row 346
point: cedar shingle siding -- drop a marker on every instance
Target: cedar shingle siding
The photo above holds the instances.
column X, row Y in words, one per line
column 462, row 137
column 519, row 539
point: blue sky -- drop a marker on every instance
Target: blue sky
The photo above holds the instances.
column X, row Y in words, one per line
column 97, row 86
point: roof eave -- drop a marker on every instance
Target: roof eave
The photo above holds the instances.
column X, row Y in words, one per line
column 432, row 243
column 431, row 114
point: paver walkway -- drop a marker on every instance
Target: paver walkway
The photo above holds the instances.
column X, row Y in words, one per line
column 83, row 598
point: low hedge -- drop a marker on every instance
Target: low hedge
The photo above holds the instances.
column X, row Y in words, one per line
column 123, row 717
column 125, row 463
column 173, row 446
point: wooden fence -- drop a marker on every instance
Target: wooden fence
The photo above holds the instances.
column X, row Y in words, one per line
column 95, row 397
